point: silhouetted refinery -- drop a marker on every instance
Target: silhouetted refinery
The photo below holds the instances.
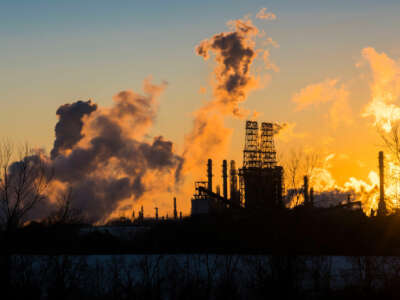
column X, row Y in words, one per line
column 251, row 213
column 261, row 180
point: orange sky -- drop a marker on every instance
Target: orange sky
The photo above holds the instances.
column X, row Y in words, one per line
column 331, row 74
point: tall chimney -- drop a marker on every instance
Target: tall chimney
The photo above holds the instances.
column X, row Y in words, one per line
column 382, row 205
column 141, row 213
column 175, row 211
column 305, row 191
column 156, row 208
column 209, row 174
column 234, row 193
column 225, row 178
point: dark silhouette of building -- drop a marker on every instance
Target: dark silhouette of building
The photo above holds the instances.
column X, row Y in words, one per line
column 175, row 211
column 235, row 195
column 225, row 178
column 209, row 174
column 261, row 180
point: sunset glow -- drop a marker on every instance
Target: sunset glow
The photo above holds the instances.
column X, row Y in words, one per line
column 159, row 96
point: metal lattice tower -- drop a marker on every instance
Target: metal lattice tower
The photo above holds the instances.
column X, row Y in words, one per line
column 261, row 180
column 251, row 158
column 267, row 147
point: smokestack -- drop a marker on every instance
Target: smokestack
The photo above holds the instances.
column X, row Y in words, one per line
column 209, row 174
column 156, row 213
column 305, row 191
column 141, row 213
column 382, row 205
column 225, row 178
column 175, row 212
column 233, row 174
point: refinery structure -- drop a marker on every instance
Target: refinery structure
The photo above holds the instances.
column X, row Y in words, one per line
column 257, row 185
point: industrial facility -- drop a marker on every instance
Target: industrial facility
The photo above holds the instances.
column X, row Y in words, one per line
column 259, row 184
column 260, row 178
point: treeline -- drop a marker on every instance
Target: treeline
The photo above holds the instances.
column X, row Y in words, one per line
column 203, row 277
column 290, row 232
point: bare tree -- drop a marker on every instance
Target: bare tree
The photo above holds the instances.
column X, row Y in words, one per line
column 292, row 171
column 23, row 183
column 391, row 140
column 65, row 212
column 312, row 161
column 297, row 164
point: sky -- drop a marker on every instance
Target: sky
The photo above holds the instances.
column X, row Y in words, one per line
column 57, row 52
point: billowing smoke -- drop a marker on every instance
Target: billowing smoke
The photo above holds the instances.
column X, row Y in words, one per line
column 209, row 137
column 385, row 89
column 234, row 53
column 102, row 155
column 69, row 126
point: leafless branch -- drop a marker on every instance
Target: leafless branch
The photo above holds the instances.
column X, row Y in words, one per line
column 22, row 185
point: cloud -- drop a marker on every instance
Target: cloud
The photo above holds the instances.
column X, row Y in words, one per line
column 264, row 15
column 324, row 92
column 101, row 154
column 268, row 64
column 69, row 125
column 315, row 94
column 385, row 89
column 234, row 54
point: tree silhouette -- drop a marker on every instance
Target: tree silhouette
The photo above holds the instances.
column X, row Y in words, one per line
column 23, row 184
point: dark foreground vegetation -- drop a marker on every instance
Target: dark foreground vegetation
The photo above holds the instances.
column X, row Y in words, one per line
column 299, row 231
column 258, row 255
column 203, row 276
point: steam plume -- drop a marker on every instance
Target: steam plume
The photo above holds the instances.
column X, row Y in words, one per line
column 101, row 153
column 234, row 52
column 385, row 89
column 69, row 126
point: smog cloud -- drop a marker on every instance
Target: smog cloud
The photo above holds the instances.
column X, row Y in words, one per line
column 234, row 53
column 103, row 156
column 69, row 125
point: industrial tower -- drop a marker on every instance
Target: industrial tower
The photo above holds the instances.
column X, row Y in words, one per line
column 261, row 180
